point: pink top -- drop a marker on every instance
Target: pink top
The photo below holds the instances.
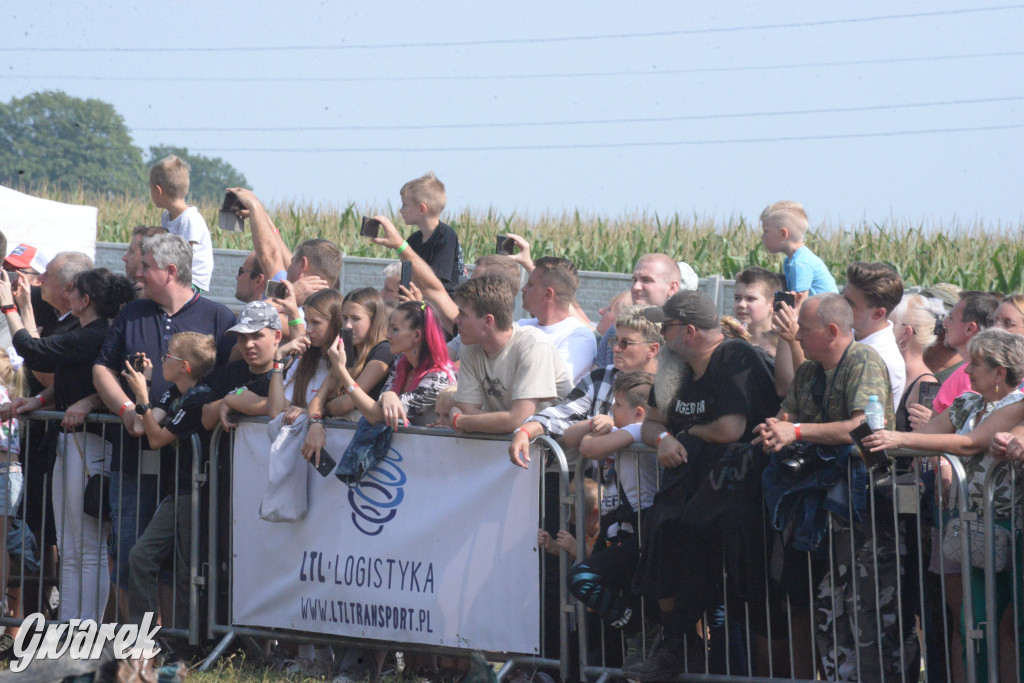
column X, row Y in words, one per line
column 955, row 385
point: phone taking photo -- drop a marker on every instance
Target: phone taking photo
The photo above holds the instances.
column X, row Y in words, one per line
column 350, row 348
column 15, row 279
column 275, row 290
column 226, row 218
column 503, row 245
column 786, row 297
column 370, row 227
column 406, row 279
column 139, row 362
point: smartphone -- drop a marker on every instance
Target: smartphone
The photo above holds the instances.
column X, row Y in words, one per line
column 326, row 465
column 788, row 297
column 370, row 227
column 928, row 392
column 15, row 277
column 406, row 274
column 350, row 348
column 139, row 362
column 275, row 290
column 503, row 245
column 870, row 458
column 226, row 219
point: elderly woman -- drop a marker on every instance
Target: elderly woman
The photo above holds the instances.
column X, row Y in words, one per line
column 996, row 368
column 914, row 324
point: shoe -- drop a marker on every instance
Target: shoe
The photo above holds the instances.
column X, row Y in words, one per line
column 357, row 664
column 650, row 635
column 663, row 664
column 623, row 620
column 6, row 647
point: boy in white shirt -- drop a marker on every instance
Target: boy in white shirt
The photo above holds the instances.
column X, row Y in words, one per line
column 168, row 186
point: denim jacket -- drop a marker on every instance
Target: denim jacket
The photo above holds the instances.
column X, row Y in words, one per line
column 369, row 444
column 823, row 487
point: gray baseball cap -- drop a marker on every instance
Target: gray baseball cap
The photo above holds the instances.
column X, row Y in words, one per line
column 255, row 316
column 691, row 307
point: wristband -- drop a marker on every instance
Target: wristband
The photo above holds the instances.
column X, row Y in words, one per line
column 660, row 437
column 124, row 407
column 796, row 428
column 293, row 323
column 8, row 308
column 350, row 388
column 402, row 248
column 522, row 429
column 455, row 418
column 42, row 399
column 239, row 391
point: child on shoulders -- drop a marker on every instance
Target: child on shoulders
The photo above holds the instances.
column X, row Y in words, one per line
column 783, row 228
column 423, row 200
column 168, row 186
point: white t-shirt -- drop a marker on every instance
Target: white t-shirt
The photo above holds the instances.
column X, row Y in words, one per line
column 884, row 341
column 191, row 226
column 637, row 474
column 314, row 383
column 575, row 342
column 527, row 367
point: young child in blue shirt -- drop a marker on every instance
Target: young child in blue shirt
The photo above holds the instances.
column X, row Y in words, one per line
column 783, row 227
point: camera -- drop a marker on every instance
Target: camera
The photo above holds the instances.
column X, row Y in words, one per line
column 793, row 466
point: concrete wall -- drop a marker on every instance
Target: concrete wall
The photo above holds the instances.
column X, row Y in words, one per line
column 595, row 288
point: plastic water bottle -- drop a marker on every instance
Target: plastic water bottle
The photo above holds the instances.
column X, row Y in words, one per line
column 874, row 413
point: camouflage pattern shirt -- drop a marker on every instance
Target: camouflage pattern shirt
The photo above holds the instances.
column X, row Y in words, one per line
column 821, row 396
column 963, row 413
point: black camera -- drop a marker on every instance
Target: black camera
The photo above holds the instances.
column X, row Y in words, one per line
column 793, row 466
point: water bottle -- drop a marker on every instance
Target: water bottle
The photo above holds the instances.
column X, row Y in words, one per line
column 874, row 413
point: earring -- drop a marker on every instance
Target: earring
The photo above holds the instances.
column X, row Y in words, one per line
column 902, row 345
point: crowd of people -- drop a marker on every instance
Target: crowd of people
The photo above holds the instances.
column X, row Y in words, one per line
column 796, row 556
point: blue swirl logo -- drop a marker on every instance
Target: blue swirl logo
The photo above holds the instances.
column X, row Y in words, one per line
column 376, row 499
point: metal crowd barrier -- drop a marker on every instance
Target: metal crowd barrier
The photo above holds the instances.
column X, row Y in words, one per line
column 904, row 487
column 41, row 563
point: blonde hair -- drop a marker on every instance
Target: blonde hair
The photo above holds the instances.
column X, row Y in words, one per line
column 733, row 328
column 427, row 190
column 632, row 318
column 789, row 215
column 199, row 350
column 923, row 316
column 12, row 379
column 171, row 173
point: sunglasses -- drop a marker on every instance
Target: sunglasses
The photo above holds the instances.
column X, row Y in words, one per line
column 622, row 344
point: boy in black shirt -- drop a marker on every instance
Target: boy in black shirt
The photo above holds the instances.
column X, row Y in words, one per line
column 177, row 415
column 423, row 200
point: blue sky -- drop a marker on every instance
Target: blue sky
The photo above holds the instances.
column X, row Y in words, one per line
column 707, row 108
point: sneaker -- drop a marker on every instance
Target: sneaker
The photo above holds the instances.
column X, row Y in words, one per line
column 623, row 620
column 661, row 665
column 6, row 647
column 650, row 635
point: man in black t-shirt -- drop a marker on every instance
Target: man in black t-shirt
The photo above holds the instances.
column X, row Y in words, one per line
column 717, row 395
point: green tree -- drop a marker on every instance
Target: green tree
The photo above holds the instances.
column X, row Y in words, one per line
column 66, row 142
column 208, row 177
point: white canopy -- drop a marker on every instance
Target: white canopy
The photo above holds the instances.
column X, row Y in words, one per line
column 47, row 225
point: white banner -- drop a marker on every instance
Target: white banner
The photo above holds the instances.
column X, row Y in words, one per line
column 437, row 546
column 47, row 225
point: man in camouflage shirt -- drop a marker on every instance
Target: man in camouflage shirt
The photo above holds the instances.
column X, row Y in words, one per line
column 826, row 402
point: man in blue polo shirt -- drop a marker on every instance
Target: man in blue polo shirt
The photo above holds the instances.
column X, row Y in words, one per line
column 146, row 326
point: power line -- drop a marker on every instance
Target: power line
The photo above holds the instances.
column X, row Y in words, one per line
column 525, row 41
column 611, row 145
column 579, row 122
column 507, row 77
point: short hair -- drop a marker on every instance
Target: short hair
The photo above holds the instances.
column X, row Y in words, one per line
column 560, row 275
column 834, row 309
column 257, row 269
column 393, row 271
column 71, row 264
column 502, row 266
column 428, row 190
column 879, row 282
column 635, row 387
column 769, row 280
column 633, row 319
column 324, row 258
column 786, row 214
column 148, row 231
column 1000, row 349
column 669, row 266
column 488, row 295
column 923, row 316
column 171, row 173
column 168, row 249
column 200, row 350
column 979, row 308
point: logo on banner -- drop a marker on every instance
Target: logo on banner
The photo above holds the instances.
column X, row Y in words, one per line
column 376, row 498
column 82, row 640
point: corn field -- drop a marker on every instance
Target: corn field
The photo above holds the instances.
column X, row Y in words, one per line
column 977, row 256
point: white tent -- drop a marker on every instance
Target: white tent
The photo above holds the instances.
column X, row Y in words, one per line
column 49, row 226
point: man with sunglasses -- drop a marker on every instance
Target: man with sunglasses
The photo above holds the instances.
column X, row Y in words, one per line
column 709, row 392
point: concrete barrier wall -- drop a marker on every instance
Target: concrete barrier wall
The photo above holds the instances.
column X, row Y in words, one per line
column 596, row 288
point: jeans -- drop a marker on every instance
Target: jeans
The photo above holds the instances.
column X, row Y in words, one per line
column 132, row 503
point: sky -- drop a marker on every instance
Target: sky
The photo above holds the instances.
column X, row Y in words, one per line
column 866, row 111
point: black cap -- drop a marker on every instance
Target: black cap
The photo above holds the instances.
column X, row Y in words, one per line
column 691, row 307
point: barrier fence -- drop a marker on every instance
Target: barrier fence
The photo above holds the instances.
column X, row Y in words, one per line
column 456, row 508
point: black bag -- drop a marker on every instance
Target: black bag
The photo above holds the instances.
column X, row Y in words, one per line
column 96, row 499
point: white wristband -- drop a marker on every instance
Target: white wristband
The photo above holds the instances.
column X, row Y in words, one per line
column 660, row 437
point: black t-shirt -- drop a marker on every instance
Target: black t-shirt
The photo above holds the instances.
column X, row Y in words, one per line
column 442, row 252
column 381, row 352
column 184, row 418
column 236, row 375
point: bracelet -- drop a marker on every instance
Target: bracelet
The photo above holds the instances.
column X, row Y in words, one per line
column 293, row 323
column 796, row 428
column 124, row 407
column 350, row 388
column 522, row 429
column 42, row 399
column 239, row 391
column 316, row 421
column 8, row 308
column 455, row 418
column 400, row 249
column 660, row 437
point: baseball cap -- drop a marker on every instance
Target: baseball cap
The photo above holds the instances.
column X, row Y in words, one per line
column 254, row 316
column 691, row 307
column 26, row 256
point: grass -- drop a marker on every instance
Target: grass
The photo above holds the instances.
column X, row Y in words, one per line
column 975, row 256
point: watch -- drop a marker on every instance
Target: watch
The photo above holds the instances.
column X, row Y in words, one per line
column 143, row 408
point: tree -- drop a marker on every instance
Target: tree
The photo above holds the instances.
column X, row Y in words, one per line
column 208, row 177
column 67, row 142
